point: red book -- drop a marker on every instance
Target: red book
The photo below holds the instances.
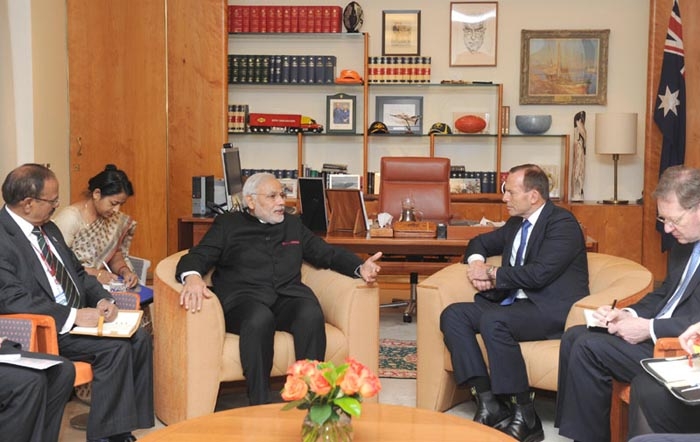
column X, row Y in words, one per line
column 318, row 18
column 325, row 19
column 245, row 18
column 294, row 19
column 264, row 19
column 286, row 19
column 235, row 18
column 255, row 18
column 336, row 19
column 278, row 19
column 303, row 22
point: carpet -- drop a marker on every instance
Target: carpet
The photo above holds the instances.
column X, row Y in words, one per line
column 397, row 359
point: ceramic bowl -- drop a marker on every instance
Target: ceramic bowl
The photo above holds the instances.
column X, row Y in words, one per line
column 533, row 124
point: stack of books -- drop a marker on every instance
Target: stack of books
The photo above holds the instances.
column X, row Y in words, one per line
column 284, row 18
column 399, row 69
column 237, row 118
column 289, row 69
column 469, row 181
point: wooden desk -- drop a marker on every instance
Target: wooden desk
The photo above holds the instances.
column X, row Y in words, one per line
column 379, row 422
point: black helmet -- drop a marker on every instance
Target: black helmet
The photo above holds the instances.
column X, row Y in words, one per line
column 440, row 128
column 378, row 128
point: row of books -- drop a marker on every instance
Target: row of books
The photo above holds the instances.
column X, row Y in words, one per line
column 373, row 182
column 472, row 181
column 284, row 18
column 237, row 118
column 399, row 69
column 284, row 69
column 278, row 173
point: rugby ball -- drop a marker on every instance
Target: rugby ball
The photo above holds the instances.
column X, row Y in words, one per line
column 470, row 124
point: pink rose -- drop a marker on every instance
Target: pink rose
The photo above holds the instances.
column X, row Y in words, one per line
column 294, row 389
column 318, row 384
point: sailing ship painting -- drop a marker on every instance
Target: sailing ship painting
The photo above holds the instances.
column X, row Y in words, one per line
column 564, row 68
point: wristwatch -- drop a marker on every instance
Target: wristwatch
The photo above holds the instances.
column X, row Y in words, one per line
column 491, row 272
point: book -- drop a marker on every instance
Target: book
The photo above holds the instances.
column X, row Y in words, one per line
column 124, row 326
column 592, row 323
column 680, row 375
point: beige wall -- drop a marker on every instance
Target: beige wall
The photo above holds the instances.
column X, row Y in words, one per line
column 627, row 20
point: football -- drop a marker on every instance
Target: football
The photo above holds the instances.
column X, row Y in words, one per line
column 470, row 124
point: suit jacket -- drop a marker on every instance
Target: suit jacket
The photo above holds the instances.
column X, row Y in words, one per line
column 554, row 274
column 687, row 310
column 24, row 287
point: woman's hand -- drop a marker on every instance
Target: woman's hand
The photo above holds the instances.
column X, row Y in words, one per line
column 130, row 278
column 105, row 277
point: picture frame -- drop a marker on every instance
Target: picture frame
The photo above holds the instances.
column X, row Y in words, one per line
column 564, row 66
column 289, row 186
column 401, row 115
column 473, row 33
column 400, row 32
column 343, row 181
column 340, row 114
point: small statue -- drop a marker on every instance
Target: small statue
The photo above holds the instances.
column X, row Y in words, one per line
column 409, row 120
column 353, row 17
column 579, row 166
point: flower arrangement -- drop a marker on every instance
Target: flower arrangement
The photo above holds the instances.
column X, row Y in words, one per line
column 328, row 392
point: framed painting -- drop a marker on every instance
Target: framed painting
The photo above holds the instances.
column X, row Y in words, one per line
column 340, row 114
column 564, row 66
column 402, row 115
column 401, row 33
column 473, row 33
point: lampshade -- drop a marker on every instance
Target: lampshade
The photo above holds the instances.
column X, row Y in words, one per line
column 616, row 133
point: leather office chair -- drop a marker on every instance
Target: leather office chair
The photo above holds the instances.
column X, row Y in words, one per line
column 427, row 181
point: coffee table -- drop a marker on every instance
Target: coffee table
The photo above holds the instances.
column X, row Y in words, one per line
column 379, row 422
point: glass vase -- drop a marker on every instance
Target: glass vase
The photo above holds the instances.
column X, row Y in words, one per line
column 339, row 430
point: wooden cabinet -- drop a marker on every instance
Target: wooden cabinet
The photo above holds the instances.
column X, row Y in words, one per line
column 617, row 228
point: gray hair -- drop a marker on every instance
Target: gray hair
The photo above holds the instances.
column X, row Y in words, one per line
column 251, row 185
column 681, row 181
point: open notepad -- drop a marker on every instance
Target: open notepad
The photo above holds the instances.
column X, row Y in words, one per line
column 592, row 323
column 124, row 326
column 681, row 375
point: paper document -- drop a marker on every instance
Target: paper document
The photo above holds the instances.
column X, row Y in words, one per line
column 592, row 323
column 34, row 363
column 681, row 375
column 124, row 326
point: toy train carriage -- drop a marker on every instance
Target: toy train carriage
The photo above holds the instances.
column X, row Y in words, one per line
column 287, row 123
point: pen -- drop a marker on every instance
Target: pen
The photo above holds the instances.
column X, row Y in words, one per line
column 612, row 307
column 104, row 263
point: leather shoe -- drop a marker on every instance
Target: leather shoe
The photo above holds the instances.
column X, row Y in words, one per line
column 124, row 437
column 525, row 425
column 490, row 410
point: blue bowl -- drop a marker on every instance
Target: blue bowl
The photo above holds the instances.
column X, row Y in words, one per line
column 533, row 124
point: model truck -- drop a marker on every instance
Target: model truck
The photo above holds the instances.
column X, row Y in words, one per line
column 287, row 123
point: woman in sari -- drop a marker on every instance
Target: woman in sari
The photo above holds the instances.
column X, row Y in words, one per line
column 97, row 232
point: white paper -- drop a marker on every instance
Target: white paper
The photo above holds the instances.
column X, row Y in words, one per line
column 34, row 363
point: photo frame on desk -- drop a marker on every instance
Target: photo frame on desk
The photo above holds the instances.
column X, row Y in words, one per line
column 401, row 115
column 347, row 211
column 340, row 114
column 400, row 33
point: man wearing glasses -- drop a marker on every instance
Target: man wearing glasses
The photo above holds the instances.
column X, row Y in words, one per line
column 588, row 361
column 258, row 254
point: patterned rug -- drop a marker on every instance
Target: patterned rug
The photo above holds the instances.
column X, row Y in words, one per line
column 397, row 359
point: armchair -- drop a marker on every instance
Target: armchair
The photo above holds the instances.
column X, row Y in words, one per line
column 193, row 354
column 610, row 277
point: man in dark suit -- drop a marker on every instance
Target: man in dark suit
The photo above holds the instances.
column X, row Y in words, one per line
column 258, row 255
column 39, row 274
column 544, row 271
column 32, row 401
column 588, row 361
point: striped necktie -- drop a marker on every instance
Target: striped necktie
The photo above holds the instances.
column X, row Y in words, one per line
column 57, row 270
column 518, row 259
column 683, row 285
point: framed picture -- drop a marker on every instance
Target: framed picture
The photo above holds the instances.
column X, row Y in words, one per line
column 343, row 181
column 564, row 67
column 473, row 33
column 340, row 113
column 289, row 186
column 401, row 33
column 402, row 115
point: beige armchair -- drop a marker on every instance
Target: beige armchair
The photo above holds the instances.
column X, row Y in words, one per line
column 610, row 277
column 193, row 354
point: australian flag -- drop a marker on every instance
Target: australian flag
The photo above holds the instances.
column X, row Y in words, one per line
column 669, row 113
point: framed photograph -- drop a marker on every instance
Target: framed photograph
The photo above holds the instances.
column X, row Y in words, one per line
column 473, row 33
column 340, row 113
column 401, row 33
column 343, row 181
column 289, row 186
column 402, row 115
column 564, row 67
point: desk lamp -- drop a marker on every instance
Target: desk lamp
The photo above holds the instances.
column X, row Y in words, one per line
column 616, row 134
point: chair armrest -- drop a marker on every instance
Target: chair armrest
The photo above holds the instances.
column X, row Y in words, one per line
column 188, row 347
column 351, row 306
column 44, row 329
column 668, row 347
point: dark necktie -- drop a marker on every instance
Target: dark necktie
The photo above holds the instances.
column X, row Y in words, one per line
column 518, row 259
column 57, row 269
column 683, row 285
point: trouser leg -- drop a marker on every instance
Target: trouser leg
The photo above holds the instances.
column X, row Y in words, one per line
column 303, row 318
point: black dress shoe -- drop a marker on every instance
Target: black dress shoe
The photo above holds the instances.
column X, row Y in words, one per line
column 123, row 437
column 490, row 410
column 525, row 425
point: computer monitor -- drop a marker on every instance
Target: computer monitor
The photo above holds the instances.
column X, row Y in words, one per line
column 233, row 178
column 314, row 209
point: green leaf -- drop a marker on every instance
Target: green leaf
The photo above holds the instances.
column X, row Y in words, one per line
column 320, row 413
column 350, row 405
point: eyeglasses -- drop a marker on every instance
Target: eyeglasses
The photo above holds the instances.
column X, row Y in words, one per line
column 674, row 222
column 273, row 196
column 53, row 202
